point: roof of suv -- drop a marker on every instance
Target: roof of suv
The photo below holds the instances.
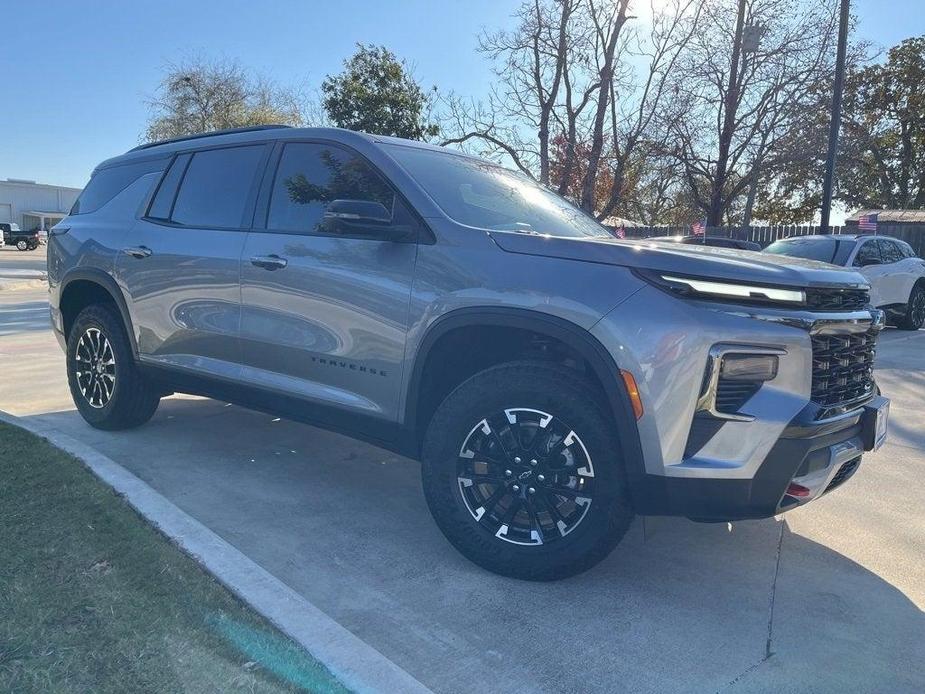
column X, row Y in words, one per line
column 250, row 134
column 837, row 237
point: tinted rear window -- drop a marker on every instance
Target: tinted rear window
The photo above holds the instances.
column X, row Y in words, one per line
column 105, row 184
column 831, row 250
column 890, row 251
column 162, row 204
column 215, row 189
column 906, row 249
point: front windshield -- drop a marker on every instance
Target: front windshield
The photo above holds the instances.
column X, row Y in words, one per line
column 830, row 250
column 483, row 195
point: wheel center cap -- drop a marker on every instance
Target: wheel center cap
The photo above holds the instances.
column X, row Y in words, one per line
column 525, row 474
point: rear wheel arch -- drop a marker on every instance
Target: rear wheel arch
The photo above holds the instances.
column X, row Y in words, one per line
column 602, row 368
column 85, row 287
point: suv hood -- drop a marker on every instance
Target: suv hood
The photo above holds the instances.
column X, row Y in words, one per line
column 692, row 261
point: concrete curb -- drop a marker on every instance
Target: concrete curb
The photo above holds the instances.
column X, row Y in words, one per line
column 16, row 274
column 351, row 660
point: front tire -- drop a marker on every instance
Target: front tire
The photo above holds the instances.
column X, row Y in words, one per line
column 22, row 245
column 107, row 387
column 915, row 310
column 522, row 472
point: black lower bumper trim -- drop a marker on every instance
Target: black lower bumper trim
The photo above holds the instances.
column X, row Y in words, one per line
column 740, row 499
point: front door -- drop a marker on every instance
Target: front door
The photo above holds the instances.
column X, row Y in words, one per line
column 326, row 283
column 180, row 264
column 869, row 263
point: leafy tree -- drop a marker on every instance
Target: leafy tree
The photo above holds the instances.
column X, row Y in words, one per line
column 200, row 96
column 377, row 94
column 882, row 162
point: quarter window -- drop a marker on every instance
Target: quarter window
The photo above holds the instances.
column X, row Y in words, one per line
column 319, row 188
column 216, row 187
column 105, row 184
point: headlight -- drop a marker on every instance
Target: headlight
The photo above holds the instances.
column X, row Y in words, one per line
column 694, row 287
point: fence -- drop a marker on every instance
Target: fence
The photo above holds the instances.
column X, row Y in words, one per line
column 913, row 234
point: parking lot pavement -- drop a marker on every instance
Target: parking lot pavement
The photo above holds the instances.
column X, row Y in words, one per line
column 679, row 606
column 14, row 262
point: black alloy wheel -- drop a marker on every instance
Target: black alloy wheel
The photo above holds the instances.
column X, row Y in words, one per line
column 915, row 310
column 525, row 476
column 107, row 386
column 523, row 472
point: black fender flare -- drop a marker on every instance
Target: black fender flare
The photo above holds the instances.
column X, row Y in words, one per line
column 571, row 334
column 107, row 283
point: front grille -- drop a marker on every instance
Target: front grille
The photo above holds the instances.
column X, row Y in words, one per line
column 836, row 299
column 844, row 472
column 843, row 371
column 732, row 394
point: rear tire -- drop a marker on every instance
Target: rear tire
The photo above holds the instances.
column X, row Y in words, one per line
column 22, row 245
column 108, row 388
column 542, row 496
column 915, row 310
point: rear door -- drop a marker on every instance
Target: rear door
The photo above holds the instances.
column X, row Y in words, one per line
column 180, row 265
column 904, row 269
column 326, row 281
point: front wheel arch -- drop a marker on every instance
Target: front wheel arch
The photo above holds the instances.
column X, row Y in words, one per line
column 602, row 364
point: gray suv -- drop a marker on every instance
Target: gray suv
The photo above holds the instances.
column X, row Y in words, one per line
column 552, row 380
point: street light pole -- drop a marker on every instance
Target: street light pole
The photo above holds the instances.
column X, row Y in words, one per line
column 829, row 181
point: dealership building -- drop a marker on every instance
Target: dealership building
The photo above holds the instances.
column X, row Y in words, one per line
column 34, row 205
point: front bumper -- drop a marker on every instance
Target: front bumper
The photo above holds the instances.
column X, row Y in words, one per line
column 816, row 456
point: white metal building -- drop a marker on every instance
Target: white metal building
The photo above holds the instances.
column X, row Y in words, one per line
column 34, row 205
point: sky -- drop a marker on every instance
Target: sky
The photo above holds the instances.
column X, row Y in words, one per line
column 74, row 76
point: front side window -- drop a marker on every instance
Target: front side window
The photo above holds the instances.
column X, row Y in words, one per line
column 486, row 196
column 868, row 254
column 216, row 187
column 324, row 189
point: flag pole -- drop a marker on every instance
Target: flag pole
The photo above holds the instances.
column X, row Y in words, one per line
column 828, row 182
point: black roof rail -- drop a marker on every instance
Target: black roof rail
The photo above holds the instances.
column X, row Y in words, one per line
column 229, row 131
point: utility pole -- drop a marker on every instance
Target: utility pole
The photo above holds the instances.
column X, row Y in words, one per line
column 829, row 181
column 715, row 218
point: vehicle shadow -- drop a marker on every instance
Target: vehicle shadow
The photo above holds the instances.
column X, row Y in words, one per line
column 678, row 606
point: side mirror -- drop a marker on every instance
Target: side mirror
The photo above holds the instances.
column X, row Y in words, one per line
column 357, row 212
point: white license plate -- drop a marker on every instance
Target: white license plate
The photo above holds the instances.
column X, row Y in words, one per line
column 881, row 426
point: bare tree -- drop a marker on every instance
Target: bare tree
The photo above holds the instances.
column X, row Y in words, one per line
column 742, row 104
column 198, row 96
column 580, row 94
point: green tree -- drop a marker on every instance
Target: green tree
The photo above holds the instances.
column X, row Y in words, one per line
column 882, row 158
column 199, row 96
column 377, row 94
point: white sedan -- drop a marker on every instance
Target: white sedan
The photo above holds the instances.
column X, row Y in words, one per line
column 895, row 273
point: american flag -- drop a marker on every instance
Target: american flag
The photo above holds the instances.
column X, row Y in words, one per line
column 620, row 233
column 868, row 222
column 698, row 228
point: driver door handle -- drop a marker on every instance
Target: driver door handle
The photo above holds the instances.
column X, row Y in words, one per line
column 138, row 251
column 269, row 262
